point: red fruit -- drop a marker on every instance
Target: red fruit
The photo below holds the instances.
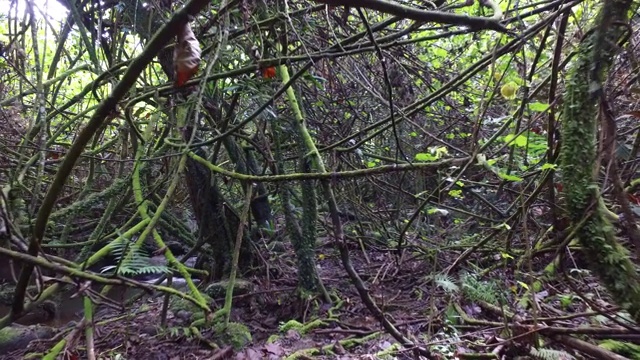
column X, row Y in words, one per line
column 269, row 72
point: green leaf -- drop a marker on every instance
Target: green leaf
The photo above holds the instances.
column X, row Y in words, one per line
column 426, row 157
column 539, row 107
column 521, row 141
column 510, row 177
column 565, row 300
column 503, row 226
column 512, row 139
column 456, row 194
column 547, row 166
column 437, row 211
column 505, row 255
column 537, row 286
column 440, row 151
column 413, row 134
column 508, row 138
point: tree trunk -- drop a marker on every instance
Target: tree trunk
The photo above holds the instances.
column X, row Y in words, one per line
column 607, row 258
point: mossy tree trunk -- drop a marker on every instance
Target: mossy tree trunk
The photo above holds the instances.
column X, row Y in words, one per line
column 301, row 233
column 260, row 206
column 218, row 223
column 213, row 225
column 243, row 157
column 607, row 258
column 305, row 246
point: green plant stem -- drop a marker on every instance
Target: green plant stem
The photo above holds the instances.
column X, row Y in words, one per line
column 228, row 299
column 143, row 211
column 305, row 249
column 88, row 330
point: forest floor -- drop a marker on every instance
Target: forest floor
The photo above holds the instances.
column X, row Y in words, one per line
column 425, row 310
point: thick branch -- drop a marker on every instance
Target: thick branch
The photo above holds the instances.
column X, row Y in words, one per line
column 407, row 12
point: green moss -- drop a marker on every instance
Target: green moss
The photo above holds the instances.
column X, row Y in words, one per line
column 351, row 343
column 291, row 325
column 336, row 307
column 607, row 258
column 178, row 304
column 6, row 294
column 313, row 325
column 84, row 205
column 8, row 334
column 388, row 352
column 235, row 334
column 328, row 350
column 301, row 328
column 273, row 338
column 303, row 354
column 629, row 350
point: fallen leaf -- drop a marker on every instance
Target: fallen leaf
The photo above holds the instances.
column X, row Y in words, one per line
column 186, row 55
column 274, row 349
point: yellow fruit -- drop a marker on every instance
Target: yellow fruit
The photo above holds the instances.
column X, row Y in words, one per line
column 508, row 90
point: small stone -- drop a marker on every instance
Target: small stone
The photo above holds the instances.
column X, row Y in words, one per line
column 219, row 289
column 184, row 315
column 149, row 330
column 277, row 247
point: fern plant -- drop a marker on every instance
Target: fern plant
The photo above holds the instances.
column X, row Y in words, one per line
column 476, row 290
column 550, row 354
column 177, row 332
column 626, row 349
column 132, row 260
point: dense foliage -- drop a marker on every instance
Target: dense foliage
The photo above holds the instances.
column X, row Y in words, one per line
column 475, row 160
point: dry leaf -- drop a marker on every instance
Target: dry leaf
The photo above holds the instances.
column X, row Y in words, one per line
column 274, row 348
column 186, row 56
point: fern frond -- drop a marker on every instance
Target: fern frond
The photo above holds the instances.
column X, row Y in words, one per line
column 133, row 260
column 446, row 283
column 629, row 350
column 476, row 290
column 550, row 354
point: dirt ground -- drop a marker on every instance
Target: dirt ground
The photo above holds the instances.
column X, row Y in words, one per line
column 419, row 307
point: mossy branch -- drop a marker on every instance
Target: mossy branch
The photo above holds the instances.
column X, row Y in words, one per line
column 99, row 117
column 51, row 290
column 143, row 211
column 430, row 167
